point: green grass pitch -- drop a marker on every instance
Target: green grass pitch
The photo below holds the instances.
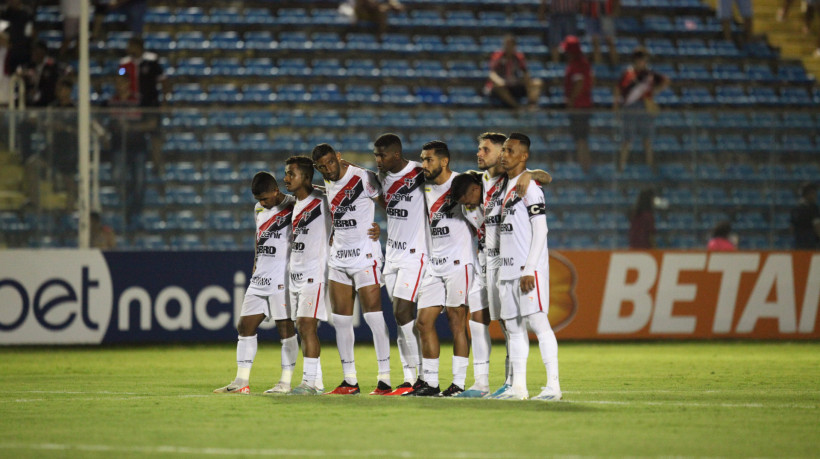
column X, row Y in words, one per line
column 724, row 399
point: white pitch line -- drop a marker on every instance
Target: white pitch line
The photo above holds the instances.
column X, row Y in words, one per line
column 692, row 391
column 695, row 404
column 171, row 449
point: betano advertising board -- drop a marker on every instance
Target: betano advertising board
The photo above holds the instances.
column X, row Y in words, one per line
column 93, row 297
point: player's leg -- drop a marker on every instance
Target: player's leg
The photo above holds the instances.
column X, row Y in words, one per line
column 290, row 352
column 310, row 350
column 479, row 337
column 457, row 319
column 538, row 322
column 430, row 349
column 254, row 310
column 340, row 287
column 402, row 286
column 494, row 303
column 518, row 341
column 368, row 287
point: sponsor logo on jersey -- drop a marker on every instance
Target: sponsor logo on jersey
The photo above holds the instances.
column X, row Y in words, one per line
column 398, row 245
column 347, row 253
column 401, row 189
column 438, row 261
column 505, row 227
column 439, row 231
column 349, row 223
column 441, row 209
column 311, row 212
column 297, row 246
column 274, row 226
column 265, row 250
column 295, row 276
column 342, row 203
column 507, row 261
column 260, row 281
column 394, row 212
column 493, row 252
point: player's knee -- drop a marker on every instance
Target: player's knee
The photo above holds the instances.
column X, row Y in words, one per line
column 306, row 325
column 404, row 312
column 286, row 328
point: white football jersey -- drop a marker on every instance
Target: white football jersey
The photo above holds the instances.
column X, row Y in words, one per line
column 311, row 238
column 272, row 247
column 516, row 232
column 351, row 207
column 407, row 231
column 493, row 195
column 452, row 243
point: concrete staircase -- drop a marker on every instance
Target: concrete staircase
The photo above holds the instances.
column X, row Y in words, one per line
column 787, row 35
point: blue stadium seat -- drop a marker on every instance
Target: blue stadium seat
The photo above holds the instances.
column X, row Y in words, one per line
column 185, row 118
column 679, row 197
column 694, row 72
column 731, row 143
column 364, row 42
column 697, row 96
column 675, row 172
column 219, row 142
column 429, row 69
column 724, row 49
column 292, row 93
column 361, row 94
column 255, row 142
column 462, row 69
column 186, row 242
column 729, row 72
column 192, row 15
column 327, row 41
column 462, row 44
column 764, row 144
column 748, row 197
column 294, row 41
column 259, row 40
column 799, row 120
column 227, row 66
column 224, row 94
column 326, row 93
column 109, row 197
column 182, row 195
column 425, row 18
column 660, row 24
column 226, row 41
column 793, row 143
column 258, row 93
column 760, row 73
column 461, row 19
column 763, row 95
column 398, row 95
column 677, row 221
column 434, row 119
column 465, row 96
column 184, row 142
column 396, row 68
column 741, row 172
column 249, row 169
column 192, row 41
column 221, row 171
column 292, row 16
column 398, row 43
column 150, row 242
column 226, row 16
column 222, row 242
column 695, row 47
column 182, row 172
column 227, row 118
column 795, row 96
column 328, row 68
column 795, row 73
column 193, row 66
column 159, row 15
column 356, row 142
column 362, row 68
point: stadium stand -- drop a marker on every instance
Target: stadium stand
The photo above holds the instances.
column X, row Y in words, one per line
column 253, row 82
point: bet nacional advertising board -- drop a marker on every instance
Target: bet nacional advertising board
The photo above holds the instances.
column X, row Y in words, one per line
column 93, row 297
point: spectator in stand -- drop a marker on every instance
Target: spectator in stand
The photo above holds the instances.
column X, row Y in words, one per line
column 102, row 236
column 634, row 93
column 578, row 82
column 562, row 22
column 147, row 78
column 128, row 129
column 722, row 240
column 41, row 75
column 726, row 16
column 600, row 22
column 370, row 11
column 805, row 219
column 5, row 71
column 509, row 81
column 20, row 30
column 64, row 139
column 642, row 221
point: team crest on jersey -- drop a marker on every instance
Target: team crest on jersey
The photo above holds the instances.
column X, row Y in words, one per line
column 369, row 255
column 457, row 262
column 280, row 220
column 349, row 194
column 310, row 280
column 412, row 250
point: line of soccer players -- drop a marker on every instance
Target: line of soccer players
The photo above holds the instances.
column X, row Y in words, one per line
column 473, row 245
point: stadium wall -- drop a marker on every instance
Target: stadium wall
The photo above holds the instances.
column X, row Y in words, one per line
column 93, row 297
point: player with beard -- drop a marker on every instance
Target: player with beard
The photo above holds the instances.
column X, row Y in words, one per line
column 354, row 264
column 481, row 197
column 448, row 278
column 408, row 238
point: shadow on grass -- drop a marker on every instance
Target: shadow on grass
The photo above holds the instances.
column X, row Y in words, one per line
column 449, row 404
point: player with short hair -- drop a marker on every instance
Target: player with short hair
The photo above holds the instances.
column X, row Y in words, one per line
column 307, row 266
column 353, row 264
column 448, row 278
column 481, row 197
column 524, row 275
column 266, row 296
column 408, row 237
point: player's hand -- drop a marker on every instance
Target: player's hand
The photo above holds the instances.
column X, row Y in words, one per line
column 374, row 231
column 527, row 283
column 523, row 183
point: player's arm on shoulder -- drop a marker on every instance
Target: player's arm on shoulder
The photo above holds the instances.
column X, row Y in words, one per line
column 374, row 232
column 523, row 183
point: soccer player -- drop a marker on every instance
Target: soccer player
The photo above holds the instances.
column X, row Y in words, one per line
column 266, row 296
column 524, row 275
column 407, row 241
column 307, row 266
column 449, row 276
column 482, row 198
column 353, row 264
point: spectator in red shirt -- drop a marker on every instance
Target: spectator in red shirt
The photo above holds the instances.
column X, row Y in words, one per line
column 635, row 94
column 600, row 22
column 642, row 221
column 578, row 82
column 722, row 238
column 509, row 79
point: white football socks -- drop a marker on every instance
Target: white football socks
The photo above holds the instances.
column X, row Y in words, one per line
column 344, row 341
column 430, row 368
column 480, row 337
column 245, row 352
column 460, row 365
column 507, row 367
column 310, row 370
column 519, row 351
column 548, row 345
column 409, row 351
column 381, row 341
column 290, row 352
